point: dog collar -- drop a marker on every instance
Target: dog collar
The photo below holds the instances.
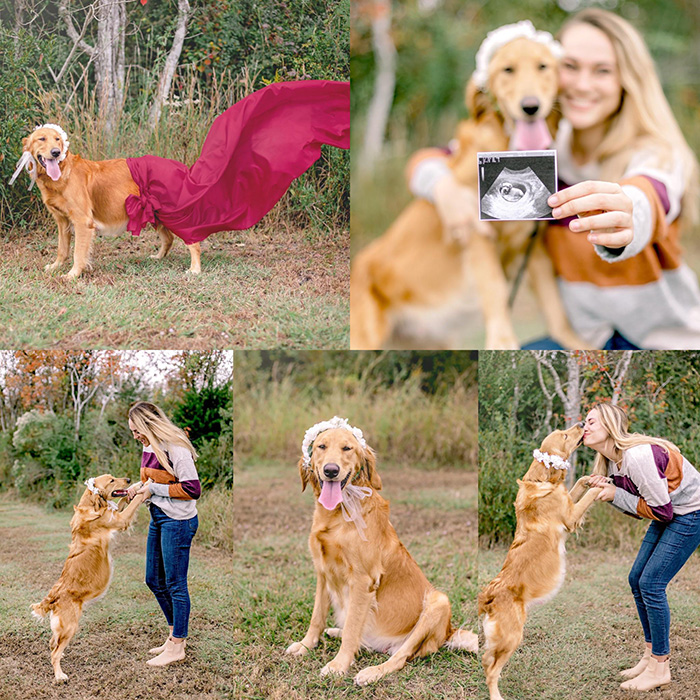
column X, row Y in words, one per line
column 498, row 38
column 315, row 430
column 553, row 461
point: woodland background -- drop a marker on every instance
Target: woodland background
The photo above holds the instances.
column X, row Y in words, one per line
column 63, row 418
column 525, row 395
column 125, row 78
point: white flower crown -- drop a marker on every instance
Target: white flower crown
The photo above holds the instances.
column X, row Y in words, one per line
column 315, row 430
column 553, row 461
column 498, row 38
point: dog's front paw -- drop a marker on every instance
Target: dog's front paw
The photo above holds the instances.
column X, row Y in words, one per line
column 298, row 649
column 193, row 272
column 335, row 668
column 60, row 677
column 335, row 632
column 72, row 274
column 52, row 266
column 368, row 675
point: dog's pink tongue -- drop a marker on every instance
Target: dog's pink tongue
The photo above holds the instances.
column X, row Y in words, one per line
column 331, row 494
column 531, row 136
column 52, row 169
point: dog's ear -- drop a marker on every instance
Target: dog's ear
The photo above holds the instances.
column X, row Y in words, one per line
column 477, row 100
column 369, row 464
column 25, row 143
column 308, row 476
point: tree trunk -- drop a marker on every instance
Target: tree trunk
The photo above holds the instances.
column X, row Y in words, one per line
column 383, row 97
column 109, row 70
column 166, row 77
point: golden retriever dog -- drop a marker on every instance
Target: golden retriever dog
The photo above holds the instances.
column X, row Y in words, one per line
column 535, row 565
column 381, row 599
column 88, row 569
column 414, row 280
column 84, row 197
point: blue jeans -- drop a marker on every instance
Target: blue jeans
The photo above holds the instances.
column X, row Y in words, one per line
column 665, row 548
column 614, row 342
column 167, row 559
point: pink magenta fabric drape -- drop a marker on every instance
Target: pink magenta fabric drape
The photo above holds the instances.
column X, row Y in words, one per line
column 251, row 154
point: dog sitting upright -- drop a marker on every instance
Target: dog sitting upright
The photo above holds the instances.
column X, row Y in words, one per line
column 381, row 599
column 535, row 565
column 83, row 197
column 88, row 569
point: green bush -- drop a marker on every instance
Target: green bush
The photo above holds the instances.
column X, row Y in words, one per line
column 46, row 458
column 21, row 60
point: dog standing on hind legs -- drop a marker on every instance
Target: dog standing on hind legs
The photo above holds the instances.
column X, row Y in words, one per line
column 535, row 565
column 88, row 569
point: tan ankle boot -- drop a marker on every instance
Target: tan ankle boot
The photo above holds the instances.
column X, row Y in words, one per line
column 637, row 670
column 172, row 652
column 654, row 675
column 161, row 648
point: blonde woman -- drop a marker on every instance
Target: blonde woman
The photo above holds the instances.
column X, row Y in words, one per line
column 647, row 477
column 168, row 460
column 628, row 186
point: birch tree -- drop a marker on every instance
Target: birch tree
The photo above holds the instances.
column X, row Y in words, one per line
column 384, row 83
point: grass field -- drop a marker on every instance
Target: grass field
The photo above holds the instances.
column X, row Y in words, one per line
column 272, row 286
column 434, row 513
column 106, row 658
column 575, row 645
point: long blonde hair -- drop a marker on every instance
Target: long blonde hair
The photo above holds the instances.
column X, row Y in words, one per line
column 615, row 421
column 644, row 118
column 149, row 420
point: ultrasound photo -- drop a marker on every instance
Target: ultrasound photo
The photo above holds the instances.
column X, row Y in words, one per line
column 515, row 185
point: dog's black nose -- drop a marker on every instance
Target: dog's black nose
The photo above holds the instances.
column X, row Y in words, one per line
column 55, row 152
column 128, row 481
column 530, row 105
column 580, row 424
column 331, row 470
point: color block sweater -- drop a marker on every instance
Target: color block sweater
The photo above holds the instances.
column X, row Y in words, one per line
column 175, row 494
column 645, row 291
column 655, row 484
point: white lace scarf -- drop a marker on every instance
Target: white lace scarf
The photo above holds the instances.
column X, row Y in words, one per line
column 553, row 461
column 351, row 507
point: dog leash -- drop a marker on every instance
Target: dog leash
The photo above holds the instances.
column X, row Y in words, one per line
column 521, row 269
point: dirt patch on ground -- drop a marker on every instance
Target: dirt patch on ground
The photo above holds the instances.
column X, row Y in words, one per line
column 268, row 501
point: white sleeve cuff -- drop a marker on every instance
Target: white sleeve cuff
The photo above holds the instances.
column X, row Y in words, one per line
column 425, row 176
column 641, row 222
column 160, row 490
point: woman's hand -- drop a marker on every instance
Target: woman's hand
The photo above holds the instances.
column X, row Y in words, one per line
column 131, row 492
column 145, row 491
column 598, row 481
column 607, row 494
column 604, row 211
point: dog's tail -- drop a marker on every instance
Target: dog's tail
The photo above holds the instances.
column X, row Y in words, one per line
column 463, row 639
